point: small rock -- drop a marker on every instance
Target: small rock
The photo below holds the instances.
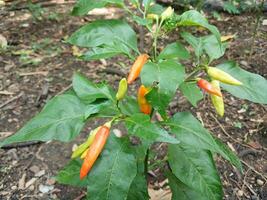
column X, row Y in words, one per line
column 31, row 188
column 264, row 22
column 244, row 63
column 25, row 25
column 117, row 132
column 30, row 182
column 45, row 188
column 40, row 173
column 260, row 182
column 13, row 187
column 35, row 169
column 7, row 68
column 240, row 193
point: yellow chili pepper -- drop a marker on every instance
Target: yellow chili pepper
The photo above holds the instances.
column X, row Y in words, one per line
column 216, row 100
column 222, row 76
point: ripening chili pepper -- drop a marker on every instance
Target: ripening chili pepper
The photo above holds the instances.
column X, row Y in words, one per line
column 84, row 154
column 217, row 101
column 144, row 106
column 95, row 149
column 206, row 86
column 122, row 89
column 81, row 148
column 137, row 67
column 222, row 76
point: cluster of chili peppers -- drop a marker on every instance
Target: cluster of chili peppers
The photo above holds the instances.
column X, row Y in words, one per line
column 93, row 146
column 213, row 87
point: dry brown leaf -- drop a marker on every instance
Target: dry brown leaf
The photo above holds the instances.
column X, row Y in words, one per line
column 227, row 37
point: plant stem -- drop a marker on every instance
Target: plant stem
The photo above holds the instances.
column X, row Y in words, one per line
column 155, row 36
column 146, row 164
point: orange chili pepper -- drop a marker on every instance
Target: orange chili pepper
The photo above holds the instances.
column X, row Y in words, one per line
column 137, row 67
column 144, row 106
column 208, row 87
column 95, row 149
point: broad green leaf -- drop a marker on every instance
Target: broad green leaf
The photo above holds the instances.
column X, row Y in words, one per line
column 111, row 33
column 196, row 43
column 194, row 18
column 189, row 131
column 155, row 9
column 169, row 75
column 62, row 119
column 98, row 107
column 70, row 174
column 129, row 105
column 213, row 48
column 191, row 92
column 88, row 91
column 97, row 53
column 141, row 126
column 113, row 172
column 138, row 189
column 207, row 44
column 196, row 168
column 254, row 86
column 180, row 191
column 82, row 7
column 174, row 50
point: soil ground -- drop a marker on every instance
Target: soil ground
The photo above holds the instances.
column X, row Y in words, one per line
column 38, row 65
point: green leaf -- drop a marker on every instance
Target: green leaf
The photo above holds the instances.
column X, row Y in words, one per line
column 97, row 107
column 180, row 191
column 194, row 18
column 138, row 189
column 155, row 9
column 129, row 105
column 141, row 126
column 196, row 168
column 196, row 43
column 88, row 91
column 189, row 131
column 254, row 86
column 191, row 92
column 62, row 119
column 70, row 174
column 97, row 53
column 213, row 48
column 113, row 172
column 108, row 34
column 174, row 50
column 169, row 75
column 82, row 7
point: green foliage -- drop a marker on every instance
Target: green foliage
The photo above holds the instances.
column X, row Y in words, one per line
column 120, row 170
column 168, row 75
column 106, row 38
column 196, row 169
column 253, row 86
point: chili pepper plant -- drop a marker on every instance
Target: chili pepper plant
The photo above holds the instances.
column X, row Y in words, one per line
column 115, row 168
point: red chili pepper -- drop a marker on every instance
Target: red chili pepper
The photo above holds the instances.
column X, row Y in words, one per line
column 137, row 67
column 95, row 149
column 144, row 106
column 208, row 87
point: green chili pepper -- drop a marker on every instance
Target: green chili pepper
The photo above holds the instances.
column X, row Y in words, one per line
column 122, row 89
